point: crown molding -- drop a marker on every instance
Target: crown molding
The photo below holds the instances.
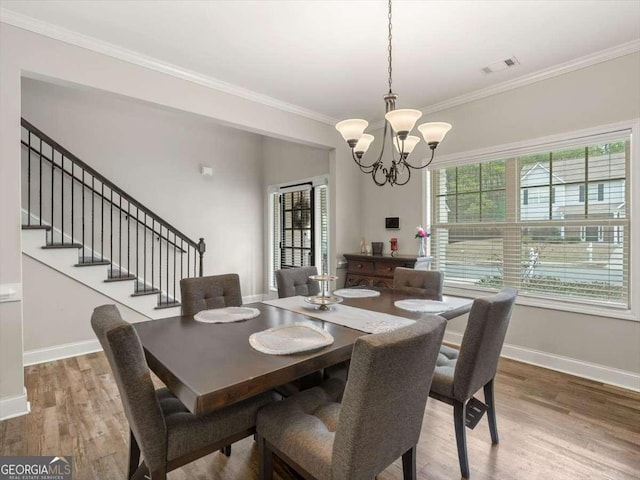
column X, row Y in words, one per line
column 90, row 43
column 551, row 72
column 547, row 73
column 74, row 38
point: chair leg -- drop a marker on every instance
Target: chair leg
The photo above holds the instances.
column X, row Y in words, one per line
column 160, row 474
column 491, row 411
column 134, row 455
column 409, row 464
column 459, row 414
column 226, row 451
column 266, row 460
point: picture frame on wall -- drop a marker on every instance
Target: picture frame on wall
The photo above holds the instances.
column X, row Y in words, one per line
column 392, row 223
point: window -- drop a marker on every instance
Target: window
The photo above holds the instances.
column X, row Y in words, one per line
column 299, row 227
column 564, row 237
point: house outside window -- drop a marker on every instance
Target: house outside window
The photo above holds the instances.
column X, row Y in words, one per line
column 566, row 236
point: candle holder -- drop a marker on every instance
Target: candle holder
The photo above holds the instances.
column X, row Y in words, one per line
column 324, row 301
column 394, row 246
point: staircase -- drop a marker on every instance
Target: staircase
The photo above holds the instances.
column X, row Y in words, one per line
column 78, row 222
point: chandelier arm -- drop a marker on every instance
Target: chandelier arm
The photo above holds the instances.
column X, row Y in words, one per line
column 363, row 168
column 384, row 173
column 393, row 153
column 433, row 152
column 408, row 178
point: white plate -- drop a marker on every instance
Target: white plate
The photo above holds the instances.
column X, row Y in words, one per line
column 226, row 315
column 287, row 339
column 425, row 306
column 356, row 293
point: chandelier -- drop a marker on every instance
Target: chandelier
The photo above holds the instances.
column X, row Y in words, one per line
column 399, row 124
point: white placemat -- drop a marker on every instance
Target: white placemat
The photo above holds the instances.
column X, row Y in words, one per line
column 356, row 293
column 288, row 339
column 226, row 315
column 424, row 306
column 356, row 318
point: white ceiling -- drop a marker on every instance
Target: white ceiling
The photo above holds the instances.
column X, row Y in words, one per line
column 330, row 56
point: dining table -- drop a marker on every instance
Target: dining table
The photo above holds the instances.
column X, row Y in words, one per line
column 208, row 366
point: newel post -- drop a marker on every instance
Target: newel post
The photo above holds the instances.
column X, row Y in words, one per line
column 202, row 247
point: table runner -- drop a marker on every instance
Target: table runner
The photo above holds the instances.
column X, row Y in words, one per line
column 356, row 318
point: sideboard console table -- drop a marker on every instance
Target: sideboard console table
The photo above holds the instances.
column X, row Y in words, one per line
column 377, row 270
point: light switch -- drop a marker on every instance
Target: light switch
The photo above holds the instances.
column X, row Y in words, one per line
column 10, row 292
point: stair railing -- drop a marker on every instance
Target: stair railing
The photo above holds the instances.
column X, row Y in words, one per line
column 79, row 208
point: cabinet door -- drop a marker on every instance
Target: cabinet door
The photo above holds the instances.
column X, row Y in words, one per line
column 385, row 269
column 360, row 267
column 358, row 281
column 383, row 282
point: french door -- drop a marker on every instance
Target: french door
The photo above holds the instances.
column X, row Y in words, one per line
column 297, row 232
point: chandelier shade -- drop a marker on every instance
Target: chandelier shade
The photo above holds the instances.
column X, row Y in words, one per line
column 407, row 145
column 363, row 144
column 434, row 132
column 352, row 130
column 398, row 124
column 403, row 120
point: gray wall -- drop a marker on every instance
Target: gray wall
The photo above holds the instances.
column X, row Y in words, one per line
column 605, row 93
column 51, row 298
column 285, row 162
column 155, row 154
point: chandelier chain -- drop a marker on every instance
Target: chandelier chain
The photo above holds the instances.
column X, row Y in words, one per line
column 390, row 58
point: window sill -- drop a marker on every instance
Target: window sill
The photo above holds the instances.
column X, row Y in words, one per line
column 562, row 305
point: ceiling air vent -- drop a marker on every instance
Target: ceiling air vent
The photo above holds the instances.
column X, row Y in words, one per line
column 501, row 65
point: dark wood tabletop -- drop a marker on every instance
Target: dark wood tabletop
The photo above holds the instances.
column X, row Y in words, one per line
column 385, row 304
column 208, row 366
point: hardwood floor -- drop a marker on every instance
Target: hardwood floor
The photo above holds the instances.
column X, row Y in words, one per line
column 552, row 427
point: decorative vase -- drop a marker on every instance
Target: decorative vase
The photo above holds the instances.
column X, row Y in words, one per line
column 422, row 249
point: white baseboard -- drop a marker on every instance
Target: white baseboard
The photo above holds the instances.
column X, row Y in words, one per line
column 58, row 352
column 14, row 406
column 572, row 366
column 253, row 298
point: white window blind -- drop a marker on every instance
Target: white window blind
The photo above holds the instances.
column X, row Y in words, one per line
column 552, row 222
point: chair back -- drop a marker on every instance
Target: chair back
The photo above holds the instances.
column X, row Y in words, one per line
column 141, row 406
column 385, row 397
column 482, row 342
column 425, row 283
column 296, row 281
column 206, row 293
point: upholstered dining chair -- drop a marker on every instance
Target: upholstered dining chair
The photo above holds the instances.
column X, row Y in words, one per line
column 377, row 421
column 461, row 373
column 161, row 427
column 296, row 281
column 205, row 293
column 425, row 283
